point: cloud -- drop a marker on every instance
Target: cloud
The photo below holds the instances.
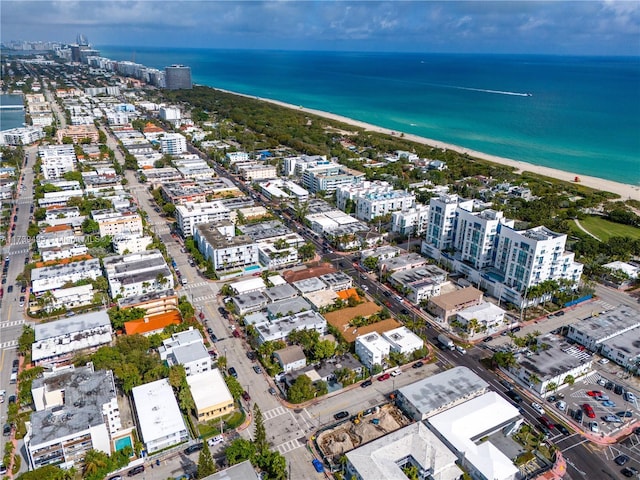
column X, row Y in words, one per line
column 585, row 27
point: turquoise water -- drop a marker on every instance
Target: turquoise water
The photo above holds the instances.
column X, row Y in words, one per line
column 11, row 118
column 583, row 114
column 252, row 268
column 121, row 443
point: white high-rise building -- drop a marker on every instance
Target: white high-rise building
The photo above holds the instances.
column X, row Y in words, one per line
column 442, row 219
column 373, row 199
column 57, row 160
column 411, row 221
column 476, row 234
column 173, row 143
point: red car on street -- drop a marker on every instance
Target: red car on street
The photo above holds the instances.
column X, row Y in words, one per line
column 386, row 376
column 588, row 410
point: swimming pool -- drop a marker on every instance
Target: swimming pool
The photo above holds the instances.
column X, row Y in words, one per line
column 120, row 443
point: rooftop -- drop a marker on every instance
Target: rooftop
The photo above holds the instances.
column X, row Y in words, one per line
column 308, row 285
column 290, row 354
column 264, row 230
column 608, row 324
column 209, row 389
column 85, row 392
column 68, row 326
column 449, row 301
column 152, row 323
column 288, row 306
column 280, row 292
column 241, row 471
column 556, row 357
column 434, row 393
column 250, row 299
column 402, row 261
column 217, row 240
column 157, row 410
column 384, row 457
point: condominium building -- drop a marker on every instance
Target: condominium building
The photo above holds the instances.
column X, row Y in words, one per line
column 21, row 136
column 280, row 328
column 173, row 143
column 49, row 278
column 410, row 221
column 113, row 223
column 137, row 273
column 328, row 177
column 187, row 349
column 442, row 219
column 160, row 421
column 420, row 283
column 211, row 395
column 57, row 160
column 191, row 214
column 486, row 248
column 259, row 171
column 130, row 243
column 373, row 199
column 78, row 133
column 71, row 297
column 284, row 190
column 177, row 77
column 372, row 349
column 297, row 165
column 223, row 250
column 76, row 411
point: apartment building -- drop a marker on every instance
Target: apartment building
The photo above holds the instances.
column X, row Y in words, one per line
column 329, row 177
column 410, row 221
column 373, row 199
column 130, row 243
column 49, row 278
column 442, row 219
column 78, row 133
column 372, row 349
column 57, row 160
column 137, row 274
column 21, row 136
column 113, row 223
column 65, row 425
column 223, row 250
column 173, row 143
column 258, row 171
column 186, row 349
column 192, row 214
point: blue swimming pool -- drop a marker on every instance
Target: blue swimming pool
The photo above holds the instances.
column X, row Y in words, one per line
column 252, row 268
column 120, row 443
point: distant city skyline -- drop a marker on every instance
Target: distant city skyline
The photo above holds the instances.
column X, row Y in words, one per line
column 550, row 27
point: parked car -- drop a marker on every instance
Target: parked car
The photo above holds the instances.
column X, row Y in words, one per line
column 621, row 459
column 272, row 391
column 317, row 465
column 538, row 408
column 384, row 377
column 196, row 447
column 213, row 441
column 515, row 329
column 461, row 349
column 245, row 396
column 609, row 385
column 578, row 416
column 594, row 427
column 236, row 333
column 366, row 383
column 602, row 382
column 608, row 403
column 513, row 396
column 562, row 406
column 625, row 414
column 629, row 472
column 487, row 339
column 562, row 429
column 257, row 369
column 612, row 419
column 10, row 289
column 418, row 364
column 135, row 471
column 395, row 373
column 232, row 371
column 602, row 398
column 588, row 410
column 603, row 361
column 629, row 396
column 6, row 430
column 341, row 415
column 594, row 393
column 618, row 390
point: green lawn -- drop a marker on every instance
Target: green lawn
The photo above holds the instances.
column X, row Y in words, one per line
column 603, row 229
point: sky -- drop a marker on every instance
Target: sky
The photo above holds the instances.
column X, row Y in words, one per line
column 512, row 26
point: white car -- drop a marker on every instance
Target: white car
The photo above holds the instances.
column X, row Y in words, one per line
column 603, row 361
column 461, row 349
column 538, row 408
column 395, row 373
column 213, row 441
column 562, row 406
column 594, row 427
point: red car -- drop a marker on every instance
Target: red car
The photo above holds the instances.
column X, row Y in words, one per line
column 588, row 410
column 246, row 396
column 386, row 376
column 236, row 333
column 546, row 422
column 594, row 393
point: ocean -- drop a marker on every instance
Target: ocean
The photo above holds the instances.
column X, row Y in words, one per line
column 11, row 118
column 579, row 114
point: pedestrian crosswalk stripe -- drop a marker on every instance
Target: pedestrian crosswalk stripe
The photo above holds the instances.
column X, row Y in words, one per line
column 10, row 344
column 273, row 413
column 289, row 446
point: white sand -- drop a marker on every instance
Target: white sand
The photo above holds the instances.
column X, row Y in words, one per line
column 625, row 191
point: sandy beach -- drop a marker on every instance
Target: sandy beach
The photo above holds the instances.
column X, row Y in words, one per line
column 625, row 191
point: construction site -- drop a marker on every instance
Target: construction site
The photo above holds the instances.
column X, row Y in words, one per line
column 360, row 429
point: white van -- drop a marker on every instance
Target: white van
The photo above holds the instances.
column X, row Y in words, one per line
column 14, row 378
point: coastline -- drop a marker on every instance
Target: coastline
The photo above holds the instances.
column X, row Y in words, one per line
column 625, row 191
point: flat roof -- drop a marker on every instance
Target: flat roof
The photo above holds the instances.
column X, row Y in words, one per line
column 382, row 458
column 157, row 410
column 75, row 324
column 250, row 299
column 85, row 393
column 280, row 292
column 308, row 285
column 557, row 356
column 322, row 298
column 448, row 301
column 288, row 306
column 209, row 389
column 241, row 471
column 190, row 353
column 465, row 425
column 402, row 261
column 446, row 388
column 609, row 323
column 251, row 284
column 482, row 312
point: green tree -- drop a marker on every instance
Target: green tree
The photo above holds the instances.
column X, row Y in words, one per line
column 307, row 251
column 234, row 387
column 95, row 461
column 206, row 465
column 90, row 226
column 324, row 349
column 259, row 432
column 26, row 339
column 371, row 263
column 186, row 309
column 49, row 472
column 301, row 390
column 240, row 450
column 273, row 463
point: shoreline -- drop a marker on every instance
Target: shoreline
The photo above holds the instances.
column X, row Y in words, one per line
column 625, row 191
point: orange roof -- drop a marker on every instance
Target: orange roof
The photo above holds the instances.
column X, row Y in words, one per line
column 152, row 323
column 349, row 292
column 63, row 261
column 57, row 228
column 150, row 127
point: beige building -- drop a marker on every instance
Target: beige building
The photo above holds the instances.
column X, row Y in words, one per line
column 115, row 223
column 210, row 395
column 78, row 133
column 445, row 306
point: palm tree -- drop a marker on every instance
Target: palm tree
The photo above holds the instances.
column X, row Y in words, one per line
column 472, row 326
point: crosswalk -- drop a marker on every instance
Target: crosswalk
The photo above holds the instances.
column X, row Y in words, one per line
column 196, row 285
column 273, row 413
column 8, row 345
column 289, row 446
column 12, row 323
column 605, row 305
column 205, row 297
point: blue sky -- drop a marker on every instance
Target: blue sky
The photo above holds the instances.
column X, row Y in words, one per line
column 555, row 27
